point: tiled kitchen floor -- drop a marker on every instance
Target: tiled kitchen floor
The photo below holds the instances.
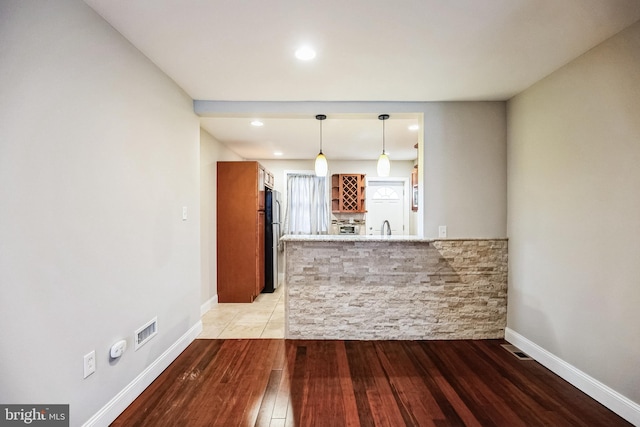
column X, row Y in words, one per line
column 264, row 318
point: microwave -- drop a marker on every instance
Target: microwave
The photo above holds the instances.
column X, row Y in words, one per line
column 349, row 229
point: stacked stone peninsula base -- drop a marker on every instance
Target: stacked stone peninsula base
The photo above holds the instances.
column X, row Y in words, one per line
column 404, row 288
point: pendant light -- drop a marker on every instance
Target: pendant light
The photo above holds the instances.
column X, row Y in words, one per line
column 321, row 161
column 384, row 166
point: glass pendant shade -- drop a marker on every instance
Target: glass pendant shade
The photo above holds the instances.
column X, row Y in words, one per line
column 321, row 161
column 321, row 165
column 384, row 165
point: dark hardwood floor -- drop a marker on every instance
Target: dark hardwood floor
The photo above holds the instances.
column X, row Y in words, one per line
column 360, row 383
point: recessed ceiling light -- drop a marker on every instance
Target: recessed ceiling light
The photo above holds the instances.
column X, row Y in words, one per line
column 305, row 53
column 277, row 153
column 257, row 123
column 414, row 127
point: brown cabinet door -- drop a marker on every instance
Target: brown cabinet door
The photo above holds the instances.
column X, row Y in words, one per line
column 261, row 182
column 240, row 231
column 237, row 207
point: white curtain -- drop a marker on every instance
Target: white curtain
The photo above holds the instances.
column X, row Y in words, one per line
column 307, row 205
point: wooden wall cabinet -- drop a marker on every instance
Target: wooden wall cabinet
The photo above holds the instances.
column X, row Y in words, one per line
column 348, row 193
column 269, row 180
column 240, row 231
column 414, row 189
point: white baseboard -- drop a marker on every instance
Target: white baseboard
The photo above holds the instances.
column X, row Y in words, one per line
column 127, row 395
column 626, row 408
column 208, row 304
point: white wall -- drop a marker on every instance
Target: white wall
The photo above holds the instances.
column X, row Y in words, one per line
column 211, row 151
column 399, row 169
column 98, row 155
column 574, row 213
column 464, row 172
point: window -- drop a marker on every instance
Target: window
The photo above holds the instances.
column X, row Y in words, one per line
column 307, row 205
column 385, row 193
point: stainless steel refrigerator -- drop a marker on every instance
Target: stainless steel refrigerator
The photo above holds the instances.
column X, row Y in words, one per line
column 271, row 239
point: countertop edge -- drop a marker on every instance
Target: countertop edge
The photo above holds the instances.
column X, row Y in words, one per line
column 373, row 239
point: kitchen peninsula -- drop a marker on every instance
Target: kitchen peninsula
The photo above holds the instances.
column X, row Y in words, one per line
column 394, row 287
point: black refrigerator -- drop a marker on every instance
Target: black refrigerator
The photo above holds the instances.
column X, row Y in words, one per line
column 271, row 239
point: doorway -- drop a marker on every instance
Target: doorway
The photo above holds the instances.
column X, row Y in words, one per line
column 387, row 199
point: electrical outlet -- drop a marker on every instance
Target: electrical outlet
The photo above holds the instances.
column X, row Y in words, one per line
column 442, row 231
column 184, row 213
column 89, row 363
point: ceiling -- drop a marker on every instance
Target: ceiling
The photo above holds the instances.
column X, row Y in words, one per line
column 367, row 50
column 344, row 137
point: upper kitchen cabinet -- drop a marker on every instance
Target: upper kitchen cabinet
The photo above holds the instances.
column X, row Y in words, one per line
column 241, row 230
column 347, row 193
column 269, row 180
column 414, row 189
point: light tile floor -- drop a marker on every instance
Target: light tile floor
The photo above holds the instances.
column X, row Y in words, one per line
column 264, row 318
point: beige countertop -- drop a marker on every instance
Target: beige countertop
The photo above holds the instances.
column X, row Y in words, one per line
column 352, row 238
column 369, row 238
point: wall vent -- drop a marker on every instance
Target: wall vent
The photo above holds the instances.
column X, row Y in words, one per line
column 145, row 333
column 516, row 352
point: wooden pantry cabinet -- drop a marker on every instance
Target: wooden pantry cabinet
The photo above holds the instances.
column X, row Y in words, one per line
column 348, row 193
column 240, row 230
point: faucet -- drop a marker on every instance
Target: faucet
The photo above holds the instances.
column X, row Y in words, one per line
column 382, row 229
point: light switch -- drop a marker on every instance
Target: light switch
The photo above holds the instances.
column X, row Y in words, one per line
column 184, row 213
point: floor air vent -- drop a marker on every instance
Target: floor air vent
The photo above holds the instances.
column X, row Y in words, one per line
column 516, row 352
column 145, row 333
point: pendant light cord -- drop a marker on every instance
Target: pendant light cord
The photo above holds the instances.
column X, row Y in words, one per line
column 321, row 136
column 320, row 117
column 383, row 136
column 383, row 117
